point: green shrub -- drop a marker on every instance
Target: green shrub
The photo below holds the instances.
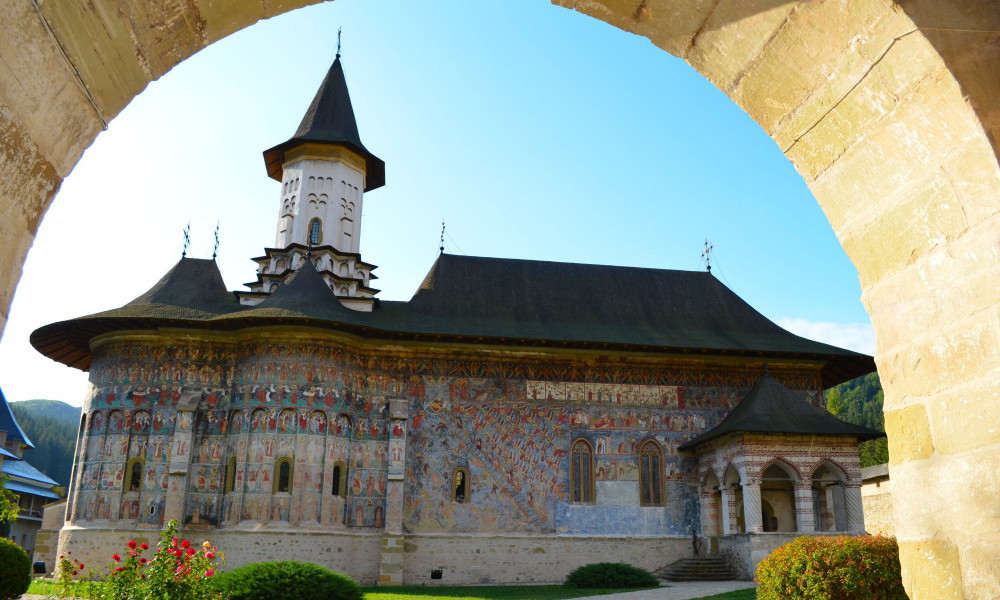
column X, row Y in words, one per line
column 15, row 570
column 610, row 575
column 287, row 580
column 834, row 568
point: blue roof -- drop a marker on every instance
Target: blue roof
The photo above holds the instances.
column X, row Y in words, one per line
column 17, row 486
column 8, row 455
column 24, row 470
column 9, row 424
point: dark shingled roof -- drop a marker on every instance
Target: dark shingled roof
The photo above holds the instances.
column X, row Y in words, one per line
column 483, row 300
column 772, row 408
column 329, row 120
column 9, row 424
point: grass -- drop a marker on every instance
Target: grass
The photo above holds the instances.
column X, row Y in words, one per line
column 475, row 592
column 750, row 594
column 483, row 592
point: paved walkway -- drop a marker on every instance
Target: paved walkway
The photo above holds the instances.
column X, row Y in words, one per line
column 679, row 590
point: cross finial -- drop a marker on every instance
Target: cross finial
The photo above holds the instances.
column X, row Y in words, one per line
column 187, row 239
column 215, row 249
column 442, row 238
column 706, row 255
column 339, row 29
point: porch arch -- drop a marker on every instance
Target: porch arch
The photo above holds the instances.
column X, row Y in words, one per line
column 887, row 111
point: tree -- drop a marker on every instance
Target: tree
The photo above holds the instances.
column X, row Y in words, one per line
column 8, row 502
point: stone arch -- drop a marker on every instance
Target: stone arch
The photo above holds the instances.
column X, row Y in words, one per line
column 782, row 464
column 888, row 113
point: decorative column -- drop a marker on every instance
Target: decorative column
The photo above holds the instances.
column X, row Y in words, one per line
column 180, row 455
column 728, row 509
column 828, row 514
column 752, row 516
column 854, row 507
column 805, row 521
column 393, row 540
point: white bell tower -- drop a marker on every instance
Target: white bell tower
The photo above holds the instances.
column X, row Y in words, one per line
column 324, row 171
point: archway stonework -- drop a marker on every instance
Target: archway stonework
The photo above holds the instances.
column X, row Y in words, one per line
column 890, row 111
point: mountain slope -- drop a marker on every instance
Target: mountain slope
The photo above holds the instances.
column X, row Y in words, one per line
column 859, row 401
column 52, row 426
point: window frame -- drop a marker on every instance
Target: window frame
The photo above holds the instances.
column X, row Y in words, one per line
column 651, row 493
column 281, row 461
column 581, row 492
column 466, row 483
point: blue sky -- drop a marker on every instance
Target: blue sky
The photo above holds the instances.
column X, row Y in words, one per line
column 533, row 131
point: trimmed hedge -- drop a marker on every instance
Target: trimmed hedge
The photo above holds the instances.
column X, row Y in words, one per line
column 832, row 568
column 610, row 575
column 286, row 580
column 15, row 570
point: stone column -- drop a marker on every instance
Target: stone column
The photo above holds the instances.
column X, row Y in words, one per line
column 728, row 510
column 805, row 520
column 393, row 540
column 752, row 517
column 854, row 508
column 180, row 455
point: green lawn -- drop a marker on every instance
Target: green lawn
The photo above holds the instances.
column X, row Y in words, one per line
column 482, row 592
column 750, row 594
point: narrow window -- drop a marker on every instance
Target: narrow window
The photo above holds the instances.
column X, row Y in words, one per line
column 230, row 476
column 133, row 475
column 460, row 485
column 315, row 232
column 339, row 487
column 650, row 474
column 581, row 473
column 283, row 476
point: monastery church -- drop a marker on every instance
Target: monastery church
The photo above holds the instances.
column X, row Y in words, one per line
column 511, row 421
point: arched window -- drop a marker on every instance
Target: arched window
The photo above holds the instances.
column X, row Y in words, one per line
column 339, row 485
column 315, row 232
column 581, row 473
column 650, row 474
column 230, row 482
column 133, row 475
column 460, row 489
column 283, row 475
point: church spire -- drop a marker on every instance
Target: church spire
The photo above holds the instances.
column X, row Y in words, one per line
column 329, row 121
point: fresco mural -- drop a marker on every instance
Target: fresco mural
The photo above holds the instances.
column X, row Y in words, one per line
column 231, row 414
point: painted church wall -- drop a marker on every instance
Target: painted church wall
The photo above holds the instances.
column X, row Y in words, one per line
column 508, row 421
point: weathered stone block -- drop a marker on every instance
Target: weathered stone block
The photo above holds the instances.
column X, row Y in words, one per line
column 909, row 434
column 939, row 574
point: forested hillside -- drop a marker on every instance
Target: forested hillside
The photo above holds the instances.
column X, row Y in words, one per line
column 52, row 426
column 859, row 401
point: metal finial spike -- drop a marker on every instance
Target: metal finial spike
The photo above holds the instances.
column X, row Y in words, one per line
column 442, row 238
column 215, row 249
column 187, row 239
column 706, row 255
column 339, row 29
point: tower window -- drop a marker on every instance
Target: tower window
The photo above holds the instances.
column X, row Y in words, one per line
column 315, row 232
column 283, row 476
column 339, row 486
column 133, row 475
column 650, row 474
column 460, row 485
column 230, row 482
column 581, row 475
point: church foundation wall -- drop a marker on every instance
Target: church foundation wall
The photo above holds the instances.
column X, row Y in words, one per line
column 477, row 559
column 356, row 554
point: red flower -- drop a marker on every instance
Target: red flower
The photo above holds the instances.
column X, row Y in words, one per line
column 191, row 551
column 209, row 573
column 74, row 572
column 142, row 560
column 210, row 555
column 144, row 546
column 116, row 558
column 81, row 565
column 173, row 542
column 185, row 544
column 131, row 544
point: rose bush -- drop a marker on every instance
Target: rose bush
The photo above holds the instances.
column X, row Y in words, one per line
column 176, row 571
